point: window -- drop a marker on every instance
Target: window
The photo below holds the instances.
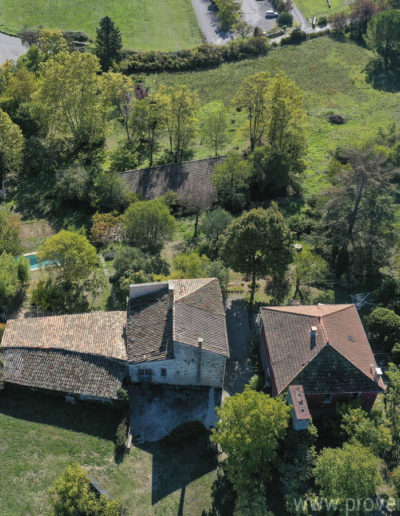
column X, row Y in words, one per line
column 163, row 371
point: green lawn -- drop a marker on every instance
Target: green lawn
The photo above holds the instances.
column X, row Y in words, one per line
column 331, row 74
column 40, row 436
column 319, row 8
column 145, row 24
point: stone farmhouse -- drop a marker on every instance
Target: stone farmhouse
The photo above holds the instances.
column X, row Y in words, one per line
column 322, row 351
column 173, row 332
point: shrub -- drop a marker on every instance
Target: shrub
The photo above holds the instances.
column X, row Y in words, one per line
column 122, row 394
column 256, row 383
column 296, row 37
column 322, row 22
column 185, row 432
column 285, row 19
column 336, row 119
column 120, row 434
column 386, row 324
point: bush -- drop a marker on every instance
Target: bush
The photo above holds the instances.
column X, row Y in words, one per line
column 296, row 37
column 336, row 119
column 122, row 394
column 322, row 22
column 386, row 324
column 285, row 19
column 256, row 382
column 121, row 434
column 185, row 432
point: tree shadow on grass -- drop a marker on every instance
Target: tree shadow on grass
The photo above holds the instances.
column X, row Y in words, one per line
column 37, row 407
column 175, row 467
column 380, row 79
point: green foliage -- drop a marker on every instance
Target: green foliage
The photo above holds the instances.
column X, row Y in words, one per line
column 369, row 430
column 308, row 268
column 9, row 233
column 396, row 353
column 258, row 243
column 121, row 434
column 386, row 324
column 295, row 37
column 23, row 269
column 228, row 12
column 123, row 394
column 185, row 432
column 217, row 269
column 189, row 265
column 73, row 257
column 11, row 145
column 106, row 228
column 383, row 36
column 108, row 43
column 249, row 429
column 109, row 192
column 256, row 382
column 148, row 225
column 285, row 19
column 392, row 406
column 71, row 496
column 10, row 283
column 213, row 226
column 73, row 184
column 213, row 125
column 231, row 180
column 350, row 472
column 130, row 259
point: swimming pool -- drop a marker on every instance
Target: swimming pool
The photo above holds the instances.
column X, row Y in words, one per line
column 34, row 265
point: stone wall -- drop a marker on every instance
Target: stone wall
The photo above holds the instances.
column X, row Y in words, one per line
column 183, row 369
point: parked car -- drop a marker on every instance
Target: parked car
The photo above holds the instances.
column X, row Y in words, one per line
column 271, row 14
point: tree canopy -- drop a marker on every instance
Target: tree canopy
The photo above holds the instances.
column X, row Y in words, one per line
column 108, row 43
column 383, row 36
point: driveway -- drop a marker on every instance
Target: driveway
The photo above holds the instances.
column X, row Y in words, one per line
column 207, row 18
column 239, row 367
column 253, row 13
column 157, row 409
column 10, row 48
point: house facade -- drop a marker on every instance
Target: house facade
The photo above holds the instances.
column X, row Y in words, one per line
column 323, row 349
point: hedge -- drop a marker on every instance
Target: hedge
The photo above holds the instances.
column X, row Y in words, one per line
column 203, row 56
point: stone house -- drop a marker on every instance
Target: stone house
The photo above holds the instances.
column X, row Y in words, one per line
column 324, row 350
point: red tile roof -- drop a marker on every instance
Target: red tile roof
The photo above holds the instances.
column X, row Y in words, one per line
column 339, row 326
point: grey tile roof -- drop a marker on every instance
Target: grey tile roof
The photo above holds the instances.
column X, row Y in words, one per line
column 184, row 178
column 198, row 311
column 64, row 371
column 338, row 327
column 99, row 333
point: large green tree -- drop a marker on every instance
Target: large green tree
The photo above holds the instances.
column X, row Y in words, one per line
column 231, row 180
column 250, row 426
column 108, row 43
column 258, row 243
column 119, row 92
column 69, row 100
column 213, row 125
column 13, row 275
column 9, row 233
column 383, row 36
column 11, row 146
column 148, row 225
column 347, row 473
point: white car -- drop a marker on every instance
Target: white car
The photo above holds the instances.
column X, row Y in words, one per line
column 271, row 14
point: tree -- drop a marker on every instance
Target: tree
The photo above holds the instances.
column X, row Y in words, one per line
column 189, row 265
column 213, row 226
column 51, row 42
column 217, row 269
column 13, row 275
column 252, row 97
column 198, row 201
column 11, row 146
column 242, row 29
column 9, row 233
column 180, row 112
column 285, row 19
column 383, row 36
column 231, row 180
column 392, row 406
column 386, row 324
column 308, row 268
column 71, row 254
column 108, row 43
column 71, row 495
column 109, row 192
column 228, row 12
column 249, row 428
column 106, row 228
column 361, row 12
column 119, row 92
column 213, row 125
column 148, row 225
column 258, row 243
column 69, row 99
column 370, row 430
column 148, row 120
column 347, row 473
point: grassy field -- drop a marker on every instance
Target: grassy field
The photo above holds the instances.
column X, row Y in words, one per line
column 145, row 24
column 40, row 436
column 331, row 74
column 319, row 8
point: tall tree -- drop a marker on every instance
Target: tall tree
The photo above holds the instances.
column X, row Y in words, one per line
column 250, row 426
column 383, row 36
column 9, row 233
column 258, row 243
column 69, row 100
column 11, row 146
column 213, row 125
column 308, row 267
column 119, row 92
column 231, row 180
column 13, row 275
column 108, row 43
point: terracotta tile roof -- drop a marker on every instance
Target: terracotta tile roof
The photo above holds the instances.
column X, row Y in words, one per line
column 198, row 311
column 64, row 371
column 98, row 333
column 338, row 326
column 184, row 178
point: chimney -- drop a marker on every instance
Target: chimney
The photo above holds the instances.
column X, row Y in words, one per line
column 378, row 374
column 313, row 337
column 171, row 294
column 199, row 353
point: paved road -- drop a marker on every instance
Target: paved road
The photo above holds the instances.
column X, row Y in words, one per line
column 10, row 48
column 209, row 24
column 253, row 13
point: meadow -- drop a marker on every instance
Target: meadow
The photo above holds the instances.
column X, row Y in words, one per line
column 145, row 24
column 320, row 8
column 331, row 74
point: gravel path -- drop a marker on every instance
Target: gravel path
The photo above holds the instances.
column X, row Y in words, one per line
column 10, row 48
column 209, row 24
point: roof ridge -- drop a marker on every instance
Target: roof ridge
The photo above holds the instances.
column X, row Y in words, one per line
column 209, row 280
column 344, row 307
column 212, row 158
column 282, row 311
